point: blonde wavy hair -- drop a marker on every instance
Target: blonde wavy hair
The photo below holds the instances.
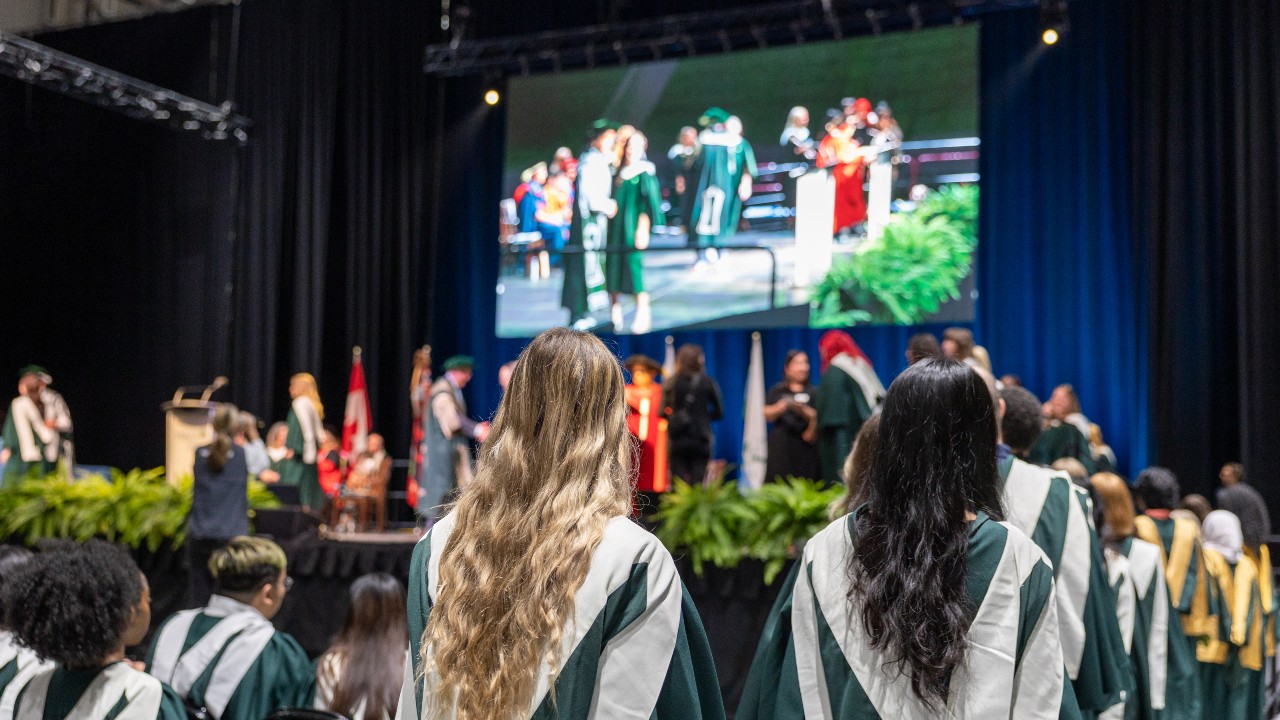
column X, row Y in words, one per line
column 311, row 391
column 557, row 466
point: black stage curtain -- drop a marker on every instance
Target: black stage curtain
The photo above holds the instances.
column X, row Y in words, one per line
column 114, row 239
column 1207, row 191
column 138, row 258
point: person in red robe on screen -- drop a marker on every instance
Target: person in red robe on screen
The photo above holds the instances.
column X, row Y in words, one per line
column 644, row 397
column 841, row 151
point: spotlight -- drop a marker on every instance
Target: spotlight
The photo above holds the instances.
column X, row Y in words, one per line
column 491, row 97
column 1053, row 18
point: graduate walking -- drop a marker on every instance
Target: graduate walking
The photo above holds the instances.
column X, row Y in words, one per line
column 306, row 431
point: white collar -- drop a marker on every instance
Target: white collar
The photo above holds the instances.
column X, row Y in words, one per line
column 223, row 606
column 640, row 167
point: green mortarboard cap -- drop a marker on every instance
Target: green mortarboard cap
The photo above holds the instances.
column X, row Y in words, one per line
column 713, row 116
column 459, row 362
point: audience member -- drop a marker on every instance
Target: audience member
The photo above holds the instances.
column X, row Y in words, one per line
column 1136, row 570
column 849, row 392
column 219, row 501
column 360, row 675
column 504, row 375
column 1021, row 426
column 329, row 463
column 857, row 467
column 79, row 605
column 1051, row 509
column 277, row 451
column 1103, row 456
column 18, row 664
column 1158, row 491
column 1239, row 498
column 691, row 402
column 957, row 344
column 512, row 583
column 1231, row 660
column 1196, row 506
column 366, row 470
column 1063, row 405
column 226, row 657
column 897, row 620
column 1074, row 470
column 1055, row 438
column 922, row 346
column 793, row 448
column 1010, row 380
column 255, row 451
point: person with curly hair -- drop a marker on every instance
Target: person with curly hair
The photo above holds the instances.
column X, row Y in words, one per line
column 537, row 596
column 922, row 602
column 227, row 657
column 18, row 664
column 80, row 606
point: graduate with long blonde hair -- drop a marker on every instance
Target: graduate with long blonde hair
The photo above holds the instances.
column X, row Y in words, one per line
column 537, row 596
column 306, row 431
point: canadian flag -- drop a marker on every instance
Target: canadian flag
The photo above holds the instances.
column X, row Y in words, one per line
column 357, row 417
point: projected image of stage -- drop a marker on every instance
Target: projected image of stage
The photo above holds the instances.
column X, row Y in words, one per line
column 738, row 191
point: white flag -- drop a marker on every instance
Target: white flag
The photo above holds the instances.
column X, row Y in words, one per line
column 755, row 450
column 669, row 360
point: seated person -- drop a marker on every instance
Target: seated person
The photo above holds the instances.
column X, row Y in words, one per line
column 367, row 467
column 17, row 663
column 329, row 463
column 80, row 605
column 227, row 657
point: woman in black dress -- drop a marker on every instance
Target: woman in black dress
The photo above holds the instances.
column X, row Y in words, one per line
column 691, row 402
column 793, row 449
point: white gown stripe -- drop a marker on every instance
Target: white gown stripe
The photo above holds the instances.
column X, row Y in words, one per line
column 195, row 661
column 1146, row 557
column 142, row 693
column 634, row 664
column 169, row 645
column 804, row 627
column 1038, row 682
column 1024, row 495
column 234, row 664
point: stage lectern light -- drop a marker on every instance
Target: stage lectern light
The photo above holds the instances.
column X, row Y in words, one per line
column 187, row 426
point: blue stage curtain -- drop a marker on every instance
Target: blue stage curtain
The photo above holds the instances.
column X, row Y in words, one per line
column 1062, row 277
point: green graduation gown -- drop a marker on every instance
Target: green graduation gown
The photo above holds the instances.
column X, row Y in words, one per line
column 815, row 660
column 637, row 193
column 1144, row 610
column 637, row 650
column 17, row 666
column 724, row 160
column 589, row 231
column 30, row 443
column 842, row 408
column 1062, row 440
column 305, row 433
column 1050, row 509
column 228, row 658
column 116, row 692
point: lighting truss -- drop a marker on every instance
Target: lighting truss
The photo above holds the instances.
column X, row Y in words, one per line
column 44, row 67
column 703, row 33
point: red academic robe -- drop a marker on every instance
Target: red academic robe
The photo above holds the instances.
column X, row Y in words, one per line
column 646, row 423
column 839, row 151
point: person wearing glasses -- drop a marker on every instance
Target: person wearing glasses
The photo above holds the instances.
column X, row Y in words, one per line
column 226, row 657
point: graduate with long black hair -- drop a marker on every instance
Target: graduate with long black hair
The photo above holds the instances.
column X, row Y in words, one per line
column 921, row 602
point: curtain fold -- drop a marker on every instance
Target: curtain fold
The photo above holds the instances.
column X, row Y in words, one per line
column 1207, row 162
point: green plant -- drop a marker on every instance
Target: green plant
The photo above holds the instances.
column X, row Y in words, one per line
column 138, row 508
column 706, row 521
column 788, row 513
column 906, row 275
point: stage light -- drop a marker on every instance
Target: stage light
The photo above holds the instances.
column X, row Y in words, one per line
column 1053, row 18
column 491, row 97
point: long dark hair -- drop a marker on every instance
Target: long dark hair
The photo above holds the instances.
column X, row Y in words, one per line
column 226, row 422
column 935, row 462
column 372, row 645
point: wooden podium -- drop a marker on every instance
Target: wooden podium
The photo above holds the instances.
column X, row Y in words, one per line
column 187, row 426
